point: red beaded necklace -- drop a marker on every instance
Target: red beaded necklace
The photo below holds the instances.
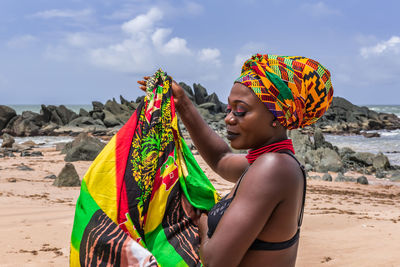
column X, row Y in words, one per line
column 255, row 153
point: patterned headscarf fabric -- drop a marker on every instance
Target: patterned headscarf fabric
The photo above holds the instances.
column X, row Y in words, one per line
column 137, row 195
column 297, row 90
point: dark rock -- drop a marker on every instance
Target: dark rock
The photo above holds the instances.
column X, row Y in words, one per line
column 319, row 140
column 67, row 177
column 200, row 94
column 83, row 147
column 211, row 107
column 362, row 158
column 380, row 162
column 51, row 176
column 324, row 159
column 308, row 167
column 23, row 167
column 22, row 127
column 48, row 129
column 187, row 90
column 97, row 115
column 341, row 178
column 36, row 154
column 362, row 180
column 110, row 120
column 8, row 140
column 84, row 122
column 139, row 99
column 11, row 180
column 380, row 173
column 66, row 115
column 83, row 113
column 97, row 106
column 6, row 114
column 327, row 177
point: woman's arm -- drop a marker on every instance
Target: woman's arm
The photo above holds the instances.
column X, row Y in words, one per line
column 263, row 188
column 212, row 148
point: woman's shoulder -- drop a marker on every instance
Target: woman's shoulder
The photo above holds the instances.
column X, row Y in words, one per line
column 278, row 169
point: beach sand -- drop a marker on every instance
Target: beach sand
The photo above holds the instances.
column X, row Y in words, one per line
column 345, row 224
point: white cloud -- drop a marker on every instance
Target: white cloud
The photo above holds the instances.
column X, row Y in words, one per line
column 144, row 22
column 390, row 46
column 22, row 41
column 210, row 55
column 320, row 9
column 63, row 13
column 145, row 45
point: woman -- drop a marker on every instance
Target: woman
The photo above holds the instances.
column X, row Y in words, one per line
column 258, row 222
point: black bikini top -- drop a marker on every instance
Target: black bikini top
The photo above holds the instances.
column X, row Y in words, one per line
column 216, row 213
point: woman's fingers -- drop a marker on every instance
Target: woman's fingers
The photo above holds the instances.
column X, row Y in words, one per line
column 142, row 85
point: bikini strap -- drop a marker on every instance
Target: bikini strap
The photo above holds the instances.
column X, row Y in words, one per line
column 304, row 185
column 240, row 179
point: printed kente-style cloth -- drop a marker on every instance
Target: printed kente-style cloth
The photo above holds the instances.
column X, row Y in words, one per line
column 137, row 194
column 297, row 90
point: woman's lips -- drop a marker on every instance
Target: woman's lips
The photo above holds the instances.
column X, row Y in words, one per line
column 231, row 135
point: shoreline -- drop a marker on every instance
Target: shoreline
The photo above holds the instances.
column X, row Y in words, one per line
column 342, row 220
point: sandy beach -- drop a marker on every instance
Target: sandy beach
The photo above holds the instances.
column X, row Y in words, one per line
column 345, row 224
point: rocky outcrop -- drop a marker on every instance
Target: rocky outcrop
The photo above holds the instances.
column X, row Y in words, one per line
column 67, row 177
column 6, row 114
column 343, row 118
column 8, row 141
column 84, row 147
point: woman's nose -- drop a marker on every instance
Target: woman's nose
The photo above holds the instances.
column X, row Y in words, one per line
column 230, row 119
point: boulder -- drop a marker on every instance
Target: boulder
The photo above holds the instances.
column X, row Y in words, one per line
column 302, row 144
column 362, row 158
column 6, row 114
column 23, row 167
column 200, row 94
column 319, row 140
column 324, row 159
column 97, row 106
column 380, row 162
column 84, row 122
column 341, row 178
column 84, row 147
column 20, row 126
column 327, row 177
column 8, row 140
column 66, row 115
column 362, row 180
column 48, row 129
column 211, row 107
column 67, row 177
column 110, row 120
column 83, row 113
column 187, row 90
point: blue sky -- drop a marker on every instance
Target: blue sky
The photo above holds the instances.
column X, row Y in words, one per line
column 76, row 51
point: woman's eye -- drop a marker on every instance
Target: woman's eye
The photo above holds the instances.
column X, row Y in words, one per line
column 239, row 113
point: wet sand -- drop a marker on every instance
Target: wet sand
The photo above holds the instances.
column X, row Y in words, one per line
column 345, row 224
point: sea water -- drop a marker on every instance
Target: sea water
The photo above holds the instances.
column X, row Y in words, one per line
column 388, row 143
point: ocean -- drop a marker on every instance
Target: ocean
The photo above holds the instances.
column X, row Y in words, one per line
column 388, row 143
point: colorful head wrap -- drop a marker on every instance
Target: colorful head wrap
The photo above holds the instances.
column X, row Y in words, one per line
column 297, row 90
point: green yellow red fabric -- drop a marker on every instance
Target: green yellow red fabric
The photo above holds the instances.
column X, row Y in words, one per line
column 297, row 90
column 140, row 188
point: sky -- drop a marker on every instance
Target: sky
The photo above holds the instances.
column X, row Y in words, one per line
column 78, row 51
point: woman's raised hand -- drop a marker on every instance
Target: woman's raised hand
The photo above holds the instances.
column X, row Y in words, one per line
column 177, row 90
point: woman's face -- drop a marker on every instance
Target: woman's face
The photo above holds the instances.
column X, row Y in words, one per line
column 248, row 121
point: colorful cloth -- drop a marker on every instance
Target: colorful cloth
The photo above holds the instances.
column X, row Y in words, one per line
column 140, row 190
column 297, row 90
